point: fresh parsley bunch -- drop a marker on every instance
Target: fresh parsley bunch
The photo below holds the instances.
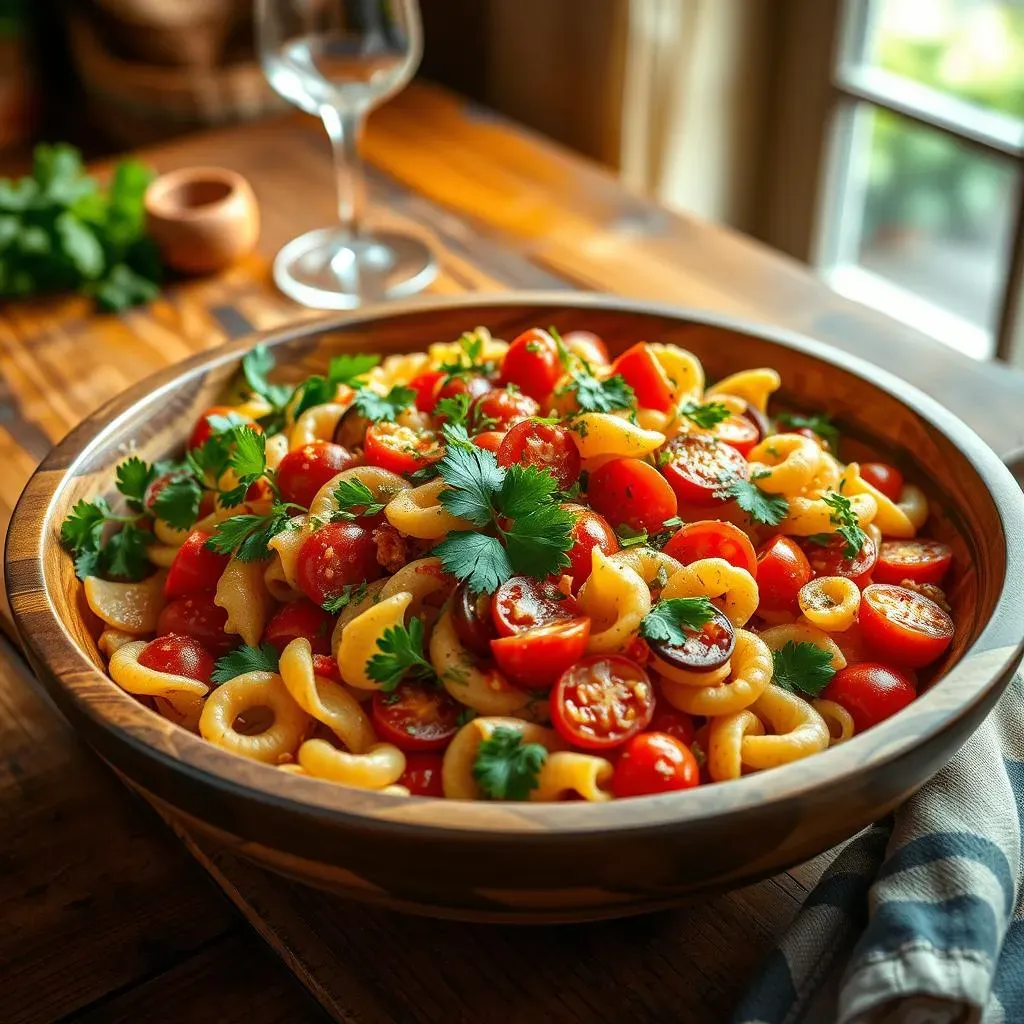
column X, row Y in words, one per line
column 59, row 231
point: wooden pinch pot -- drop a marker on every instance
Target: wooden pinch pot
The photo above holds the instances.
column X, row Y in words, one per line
column 202, row 218
column 530, row 862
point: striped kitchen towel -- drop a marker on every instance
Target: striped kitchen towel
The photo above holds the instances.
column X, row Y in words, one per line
column 920, row 919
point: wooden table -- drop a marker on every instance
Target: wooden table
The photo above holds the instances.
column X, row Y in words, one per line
column 105, row 916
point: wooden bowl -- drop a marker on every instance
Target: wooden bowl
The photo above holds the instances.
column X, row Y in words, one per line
column 537, row 862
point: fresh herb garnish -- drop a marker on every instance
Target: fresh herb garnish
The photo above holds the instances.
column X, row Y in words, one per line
column 344, row 369
column 594, row 395
column 769, row 509
column 706, row 416
column 454, row 410
column 245, row 659
column 506, row 768
column 844, row 519
column 351, row 593
column 355, row 499
column 470, row 356
column 377, row 407
column 247, row 536
column 256, row 364
column 821, row 424
column 672, row 620
column 400, row 653
column 630, row 538
column 802, row 668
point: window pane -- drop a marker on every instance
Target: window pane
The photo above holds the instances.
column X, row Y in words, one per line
column 971, row 49
column 923, row 227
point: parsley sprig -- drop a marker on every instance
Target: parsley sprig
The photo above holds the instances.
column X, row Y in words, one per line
column 529, row 532
column 769, row 509
column 344, row 369
column 351, row 593
column 802, row 668
column 376, row 407
column 245, row 659
column 355, row 499
column 506, row 768
column 706, row 415
column 844, row 519
column 674, row 619
column 594, row 395
column 400, row 654
column 821, row 424
column 248, row 536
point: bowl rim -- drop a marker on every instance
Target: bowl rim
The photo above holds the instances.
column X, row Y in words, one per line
column 986, row 665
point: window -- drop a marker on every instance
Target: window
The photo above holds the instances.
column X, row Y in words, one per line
column 919, row 197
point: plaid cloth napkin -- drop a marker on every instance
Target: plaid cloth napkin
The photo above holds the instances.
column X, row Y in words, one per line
column 919, row 920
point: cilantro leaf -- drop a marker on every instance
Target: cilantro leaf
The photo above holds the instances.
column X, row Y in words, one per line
column 125, row 553
column 821, row 424
column 593, row 395
column 769, row 509
column 505, row 767
column 355, row 499
column 247, row 536
column 708, row 415
column 454, row 410
column 473, row 478
column 802, row 668
column 524, row 489
column 673, row 619
column 83, row 526
column 351, row 593
column 344, row 369
column 846, row 523
column 224, row 424
column 211, row 458
column 256, row 364
column 249, row 458
column 477, row 558
column 245, row 659
column 377, row 407
column 133, row 476
column 538, row 542
column 349, row 368
column 400, row 653
column 177, row 502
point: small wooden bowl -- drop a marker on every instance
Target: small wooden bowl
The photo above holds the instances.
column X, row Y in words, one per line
column 537, row 862
column 202, row 218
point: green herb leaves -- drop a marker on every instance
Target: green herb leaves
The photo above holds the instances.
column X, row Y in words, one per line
column 400, row 653
column 594, row 395
column 821, row 425
column 531, row 533
column 706, row 416
column 844, row 519
column 248, row 536
column 506, row 768
column 351, row 593
column 256, row 364
column 355, row 499
column 245, row 659
column 671, row 620
column 383, row 407
column 802, row 668
column 343, row 369
column 769, row 509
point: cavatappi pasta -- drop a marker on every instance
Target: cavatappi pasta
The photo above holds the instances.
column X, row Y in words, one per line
column 515, row 572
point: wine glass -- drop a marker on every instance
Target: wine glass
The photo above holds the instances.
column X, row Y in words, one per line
column 339, row 59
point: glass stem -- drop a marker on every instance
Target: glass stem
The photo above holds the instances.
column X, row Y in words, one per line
column 344, row 128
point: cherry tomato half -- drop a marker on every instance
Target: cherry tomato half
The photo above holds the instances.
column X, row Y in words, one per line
column 870, row 692
column 739, row 431
column 589, row 531
column 326, row 666
column 696, row 465
column 401, row 449
column 711, row 538
column 500, row 409
column 416, row 717
column 304, row 471
column 203, row 429
column 300, row 619
column 588, row 346
column 654, row 762
column 333, row 557
column 426, row 385
column 178, row 655
column 831, row 559
column 883, row 477
column 601, row 701
column 422, row 775
column 630, row 492
column 902, row 626
column 645, row 375
column 676, row 723
column 197, row 616
column 782, row 569
column 536, row 657
column 472, row 384
column 532, row 364
column 523, row 603
column 195, row 567
column 544, row 445
column 922, row 561
column 489, row 440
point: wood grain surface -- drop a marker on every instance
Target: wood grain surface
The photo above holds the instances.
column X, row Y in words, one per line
column 505, row 210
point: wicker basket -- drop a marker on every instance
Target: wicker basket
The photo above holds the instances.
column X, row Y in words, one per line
column 135, row 104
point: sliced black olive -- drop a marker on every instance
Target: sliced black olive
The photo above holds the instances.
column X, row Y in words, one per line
column 705, row 649
column 351, row 429
column 759, row 420
column 471, row 617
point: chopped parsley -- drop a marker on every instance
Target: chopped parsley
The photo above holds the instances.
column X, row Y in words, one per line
column 802, row 668
column 351, row 593
column 594, row 395
column 355, row 499
column 706, row 416
column 400, row 653
column 821, row 424
column 671, row 620
column 630, row 538
column 377, row 407
column 454, row 410
column 844, row 519
column 769, row 509
column 247, row 536
column 506, row 768
column 245, row 659
column 344, row 369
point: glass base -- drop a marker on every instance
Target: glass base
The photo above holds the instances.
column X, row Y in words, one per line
column 326, row 269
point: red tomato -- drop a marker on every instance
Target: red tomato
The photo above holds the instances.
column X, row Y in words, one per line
column 326, row 666
column 870, row 692
column 544, row 445
column 500, row 409
column 589, row 531
column 814, row 436
column 589, row 347
column 782, row 569
column 644, row 374
column 202, row 430
column 532, row 364
column 300, row 618
column 178, row 655
column 304, row 471
column 887, row 479
column 422, row 775
column 472, row 384
column 401, row 449
column 334, row 557
column 711, row 538
column 902, row 626
column 195, row 567
column 830, row 559
column 524, row 603
column 198, row 617
column 670, row 720
column 922, row 561
column 602, row 701
column 536, row 657
column 630, row 492
column 654, row 762
column 851, row 643
column 416, row 717
column 425, row 386
column 490, row 440
column 696, row 465
column 740, row 432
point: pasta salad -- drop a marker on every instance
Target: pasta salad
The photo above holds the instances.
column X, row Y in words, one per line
column 516, row 571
